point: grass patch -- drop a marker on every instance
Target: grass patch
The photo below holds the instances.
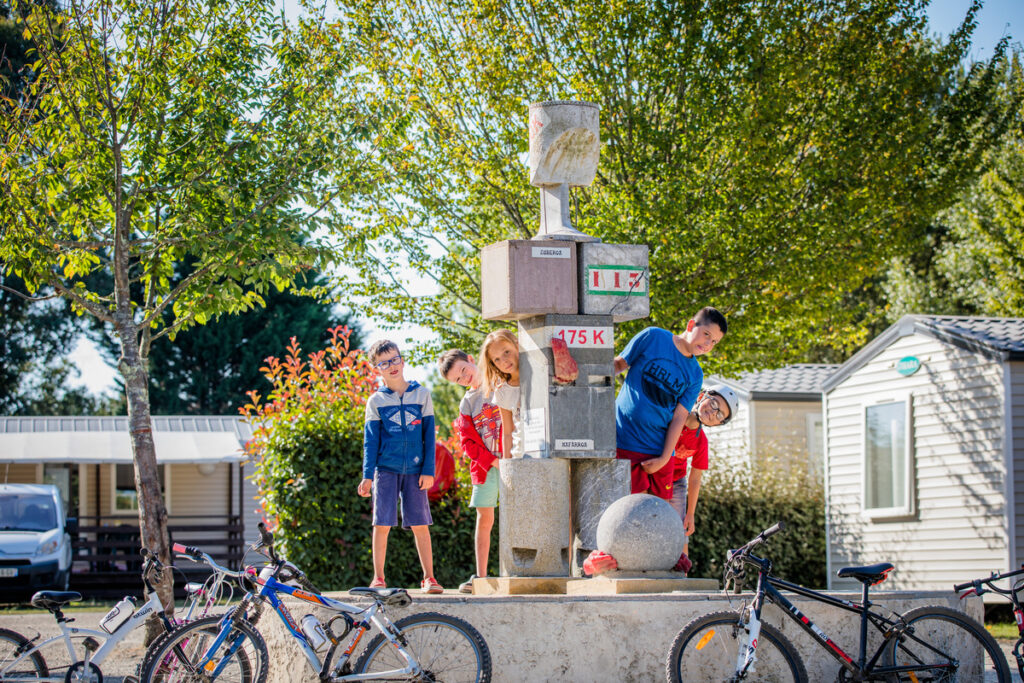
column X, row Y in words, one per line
column 1003, row 630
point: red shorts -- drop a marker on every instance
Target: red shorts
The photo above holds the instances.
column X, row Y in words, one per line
column 657, row 483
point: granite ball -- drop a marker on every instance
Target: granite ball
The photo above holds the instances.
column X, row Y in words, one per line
column 642, row 532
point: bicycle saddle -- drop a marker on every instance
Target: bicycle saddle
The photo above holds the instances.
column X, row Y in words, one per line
column 871, row 574
column 392, row 597
column 54, row 599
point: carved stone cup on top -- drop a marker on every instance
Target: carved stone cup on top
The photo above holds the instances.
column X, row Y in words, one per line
column 565, row 144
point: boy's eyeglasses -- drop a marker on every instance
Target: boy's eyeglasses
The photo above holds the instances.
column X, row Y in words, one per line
column 385, row 364
column 717, row 407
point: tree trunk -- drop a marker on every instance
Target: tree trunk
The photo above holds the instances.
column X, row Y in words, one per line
column 152, row 511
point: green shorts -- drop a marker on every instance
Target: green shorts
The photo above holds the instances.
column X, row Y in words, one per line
column 485, row 495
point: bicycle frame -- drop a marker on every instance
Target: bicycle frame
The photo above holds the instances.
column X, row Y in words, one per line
column 110, row 640
column 768, row 587
column 369, row 616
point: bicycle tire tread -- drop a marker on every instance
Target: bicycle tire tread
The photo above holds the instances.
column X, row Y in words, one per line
column 970, row 624
column 42, row 670
column 158, row 649
column 455, row 622
column 768, row 632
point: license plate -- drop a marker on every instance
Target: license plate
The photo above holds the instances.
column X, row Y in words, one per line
column 7, row 572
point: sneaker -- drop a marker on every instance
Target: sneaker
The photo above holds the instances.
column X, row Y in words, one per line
column 467, row 585
column 430, row 585
column 378, row 582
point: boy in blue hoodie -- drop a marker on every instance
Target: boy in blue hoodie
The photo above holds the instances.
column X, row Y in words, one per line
column 398, row 461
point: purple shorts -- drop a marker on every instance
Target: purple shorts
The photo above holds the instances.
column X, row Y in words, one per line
column 388, row 489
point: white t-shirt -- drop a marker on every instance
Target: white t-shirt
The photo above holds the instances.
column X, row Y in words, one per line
column 507, row 396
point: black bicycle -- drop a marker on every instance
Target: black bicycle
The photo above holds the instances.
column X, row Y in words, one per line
column 978, row 587
column 924, row 644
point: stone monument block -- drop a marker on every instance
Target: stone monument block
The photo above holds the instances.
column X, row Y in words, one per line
column 596, row 484
column 642, row 532
column 614, row 280
column 522, row 278
column 574, row 420
column 534, row 535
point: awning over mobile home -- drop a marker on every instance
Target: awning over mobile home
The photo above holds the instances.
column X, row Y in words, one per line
column 83, row 440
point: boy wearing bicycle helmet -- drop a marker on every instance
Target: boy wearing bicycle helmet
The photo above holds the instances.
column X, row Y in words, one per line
column 715, row 406
column 663, row 379
column 398, row 460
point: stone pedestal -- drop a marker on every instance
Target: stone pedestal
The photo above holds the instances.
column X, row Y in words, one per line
column 521, row 278
column 575, row 420
column 596, row 484
column 614, row 280
column 534, row 533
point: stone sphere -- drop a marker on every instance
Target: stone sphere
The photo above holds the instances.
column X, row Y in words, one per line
column 642, row 532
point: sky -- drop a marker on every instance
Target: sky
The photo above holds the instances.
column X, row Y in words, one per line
column 997, row 18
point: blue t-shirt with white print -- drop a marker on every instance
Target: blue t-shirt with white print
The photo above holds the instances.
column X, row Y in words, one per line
column 398, row 434
column 660, row 377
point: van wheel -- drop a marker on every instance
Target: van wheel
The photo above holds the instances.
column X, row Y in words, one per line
column 63, row 579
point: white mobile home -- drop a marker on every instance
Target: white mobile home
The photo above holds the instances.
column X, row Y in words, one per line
column 924, row 448
column 210, row 499
column 779, row 416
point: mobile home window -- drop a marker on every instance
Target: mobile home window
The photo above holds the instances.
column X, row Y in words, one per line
column 887, row 471
column 126, row 499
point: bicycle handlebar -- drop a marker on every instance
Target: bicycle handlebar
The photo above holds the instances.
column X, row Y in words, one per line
column 197, row 555
column 977, row 584
column 758, row 540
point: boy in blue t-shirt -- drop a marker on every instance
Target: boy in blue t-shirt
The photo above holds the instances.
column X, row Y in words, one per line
column 662, row 382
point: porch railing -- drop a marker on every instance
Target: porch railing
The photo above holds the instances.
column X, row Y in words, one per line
column 108, row 546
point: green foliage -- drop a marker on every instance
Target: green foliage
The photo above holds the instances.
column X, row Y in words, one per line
column 970, row 261
column 772, row 160
column 155, row 135
column 738, row 502
column 308, row 444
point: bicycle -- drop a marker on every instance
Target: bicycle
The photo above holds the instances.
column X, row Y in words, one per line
column 420, row 647
column 924, row 644
column 977, row 587
column 22, row 660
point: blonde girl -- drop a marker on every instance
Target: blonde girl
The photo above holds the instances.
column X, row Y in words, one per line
column 499, row 357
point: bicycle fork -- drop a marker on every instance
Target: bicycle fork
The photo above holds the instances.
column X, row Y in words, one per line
column 746, row 658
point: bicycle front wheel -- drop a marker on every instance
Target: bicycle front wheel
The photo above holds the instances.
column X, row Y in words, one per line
column 240, row 658
column 945, row 645
column 25, row 668
column 445, row 647
column 706, row 650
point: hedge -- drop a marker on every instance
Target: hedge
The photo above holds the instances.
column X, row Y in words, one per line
column 307, row 444
column 738, row 502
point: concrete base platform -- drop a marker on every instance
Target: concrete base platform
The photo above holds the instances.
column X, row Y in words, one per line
column 602, row 638
column 606, row 585
column 521, row 585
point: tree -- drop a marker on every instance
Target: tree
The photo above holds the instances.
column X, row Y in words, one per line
column 15, row 48
column 32, row 341
column 970, row 262
column 207, row 370
column 773, row 160
column 155, row 134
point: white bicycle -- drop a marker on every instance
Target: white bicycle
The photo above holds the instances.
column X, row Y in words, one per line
column 21, row 658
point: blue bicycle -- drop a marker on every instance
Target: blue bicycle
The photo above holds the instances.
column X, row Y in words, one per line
column 420, row 647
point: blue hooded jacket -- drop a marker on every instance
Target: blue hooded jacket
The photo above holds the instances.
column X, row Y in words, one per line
column 398, row 435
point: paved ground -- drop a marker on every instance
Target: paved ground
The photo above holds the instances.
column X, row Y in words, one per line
column 121, row 662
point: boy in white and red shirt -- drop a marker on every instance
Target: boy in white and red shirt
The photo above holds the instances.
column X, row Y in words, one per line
column 479, row 430
column 715, row 406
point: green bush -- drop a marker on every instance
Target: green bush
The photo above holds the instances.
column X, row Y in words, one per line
column 737, row 502
column 308, row 447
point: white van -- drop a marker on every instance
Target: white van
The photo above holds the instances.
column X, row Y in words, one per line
column 35, row 547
